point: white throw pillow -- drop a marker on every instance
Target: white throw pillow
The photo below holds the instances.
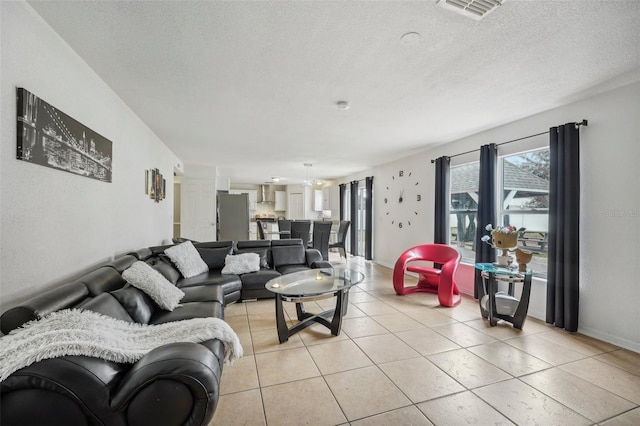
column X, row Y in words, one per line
column 241, row 263
column 187, row 259
column 144, row 277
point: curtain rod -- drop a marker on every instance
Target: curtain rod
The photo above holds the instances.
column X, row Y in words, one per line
column 582, row 123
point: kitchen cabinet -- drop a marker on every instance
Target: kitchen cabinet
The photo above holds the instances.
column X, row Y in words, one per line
column 281, row 201
column 253, row 196
column 331, row 199
column 317, row 200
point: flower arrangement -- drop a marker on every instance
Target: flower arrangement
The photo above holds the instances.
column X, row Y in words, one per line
column 502, row 237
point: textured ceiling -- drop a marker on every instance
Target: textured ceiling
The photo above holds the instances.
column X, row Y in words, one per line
column 252, row 86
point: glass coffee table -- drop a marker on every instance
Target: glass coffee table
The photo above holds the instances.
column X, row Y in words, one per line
column 309, row 285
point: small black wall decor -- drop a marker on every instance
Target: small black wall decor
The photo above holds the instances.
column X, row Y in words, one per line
column 155, row 185
column 49, row 137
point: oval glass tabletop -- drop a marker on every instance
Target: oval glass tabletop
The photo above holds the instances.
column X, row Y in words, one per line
column 314, row 282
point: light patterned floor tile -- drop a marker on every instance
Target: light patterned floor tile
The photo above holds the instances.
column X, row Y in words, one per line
column 578, row 342
column 234, row 309
column 510, row 359
column 267, row 341
column 426, row 341
column 429, row 317
column 467, row 368
column 303, row 402
column 459, row 313
column 463, row 335
column 262, row 306
column 630, row 418
column 397, row 349
column 239, row 323
column 503, row 330
column 606, row 376
column 420, row 379
column 339, row 356
column 375, row 308
column 318, row 334
column 246, row 342
column 365, row 392
column 397, row 322
column 462, row 409
column 266, row 321
column 581, row 396
column 362, row 326
column 545, row 350
column 241, row 408
column 624, row 359
column 353, row 312
column 407, row 416
column 525, row 405
column 285, row 366
column 385, row 348
column 240, row 376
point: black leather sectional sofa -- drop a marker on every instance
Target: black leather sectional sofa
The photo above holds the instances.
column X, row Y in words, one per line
column 175, row 384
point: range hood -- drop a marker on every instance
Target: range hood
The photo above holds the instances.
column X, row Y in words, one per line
column 266, row 195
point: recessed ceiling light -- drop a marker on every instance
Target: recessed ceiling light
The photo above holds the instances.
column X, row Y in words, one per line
column 410, row 39
column 343, row 104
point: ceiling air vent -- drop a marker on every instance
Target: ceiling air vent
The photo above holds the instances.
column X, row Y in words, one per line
column 476, row 9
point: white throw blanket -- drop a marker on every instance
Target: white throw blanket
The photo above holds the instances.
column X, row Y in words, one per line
column 76, row 332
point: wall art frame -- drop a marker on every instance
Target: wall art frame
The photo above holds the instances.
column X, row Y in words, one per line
column 49, row 137
column 155, row 185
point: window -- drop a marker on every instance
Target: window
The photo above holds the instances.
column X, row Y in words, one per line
column 524, row 199
column 463, row 208
column 525, row 202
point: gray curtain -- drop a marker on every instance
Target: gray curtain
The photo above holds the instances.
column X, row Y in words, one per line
column 487, row 202
column 354, row 218
column 563, row 272
column 368, row 226
column 441, row 225
column 343, row 190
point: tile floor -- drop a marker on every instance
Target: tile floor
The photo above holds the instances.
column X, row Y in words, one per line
column 405, row 360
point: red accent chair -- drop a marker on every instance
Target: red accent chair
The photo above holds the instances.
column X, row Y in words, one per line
column 432, row 280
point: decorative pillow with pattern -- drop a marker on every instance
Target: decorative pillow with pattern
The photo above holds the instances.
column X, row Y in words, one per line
column 187, row 259
column 241, row 263
column 144, row 277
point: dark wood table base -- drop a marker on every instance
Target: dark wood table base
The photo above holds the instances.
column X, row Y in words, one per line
column 306, row 318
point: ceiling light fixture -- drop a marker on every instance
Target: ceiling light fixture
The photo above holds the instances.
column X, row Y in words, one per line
column 275, row 178
column 343, row 105
column 307, row 181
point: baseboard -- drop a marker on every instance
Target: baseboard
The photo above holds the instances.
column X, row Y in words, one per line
column 614, row 340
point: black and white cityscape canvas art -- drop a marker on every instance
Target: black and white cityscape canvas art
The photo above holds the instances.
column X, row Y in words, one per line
column 49, row 137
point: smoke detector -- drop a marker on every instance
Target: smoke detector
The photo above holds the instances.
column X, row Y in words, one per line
column 475, row 9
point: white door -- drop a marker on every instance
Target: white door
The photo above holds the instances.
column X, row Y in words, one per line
column 296, row 206
column 198, row 210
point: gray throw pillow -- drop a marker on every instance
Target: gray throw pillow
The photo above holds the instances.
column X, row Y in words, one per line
column 187, row 259
column 147, row 279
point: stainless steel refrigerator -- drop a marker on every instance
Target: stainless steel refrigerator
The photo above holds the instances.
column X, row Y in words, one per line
column 233, row 217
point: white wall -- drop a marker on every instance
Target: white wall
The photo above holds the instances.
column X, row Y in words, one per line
column 610, row 206
column 55, row 225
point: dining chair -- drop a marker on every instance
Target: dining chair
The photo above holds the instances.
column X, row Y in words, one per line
column 321, row 233
column 342, row 238
column 284, row 227
column 260, row 230
column 301, row 229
